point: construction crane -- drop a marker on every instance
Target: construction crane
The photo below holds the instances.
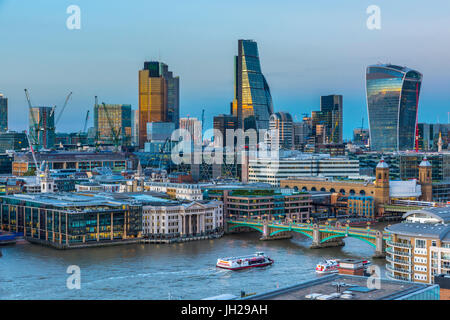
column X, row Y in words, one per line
column 86, row 121
column 34, row 134
column 62, row 109
column 116, row 139
column 38, row 171
column 203, row 119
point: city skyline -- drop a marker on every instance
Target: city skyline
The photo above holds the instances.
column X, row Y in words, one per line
column 305, row 73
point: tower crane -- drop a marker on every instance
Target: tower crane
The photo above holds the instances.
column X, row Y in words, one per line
column 62, row 109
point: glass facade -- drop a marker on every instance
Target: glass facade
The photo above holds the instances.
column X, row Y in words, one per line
column 3, row 113
column 113, row 122
column 392, row 102
column 252, row 93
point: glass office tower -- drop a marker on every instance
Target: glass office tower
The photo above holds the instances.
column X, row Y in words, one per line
column 3, row 113
column 392, row 104
column 253, row 102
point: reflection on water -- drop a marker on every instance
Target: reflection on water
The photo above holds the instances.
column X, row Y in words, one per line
column 172, row 271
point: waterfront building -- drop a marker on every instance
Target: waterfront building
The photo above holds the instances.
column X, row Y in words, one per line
column 333, row 286
column 280, row 132
column 3, row 113
column 171, row 220
column 295, row 164
column 252, row 103
column 158, row 97
column 383, row 190
column 266, row 203
column 331, row 107
column 361, row 206
column 112, row 123
column 42, row 127
column 84, row 161
column 419, row 247
column 71, row 220
column 392, row 104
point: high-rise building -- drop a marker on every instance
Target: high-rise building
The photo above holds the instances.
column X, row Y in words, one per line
column 252, row 103
column 112, row 123
column 332, row 110
column 42, row 127
column 194, row 127
column 280, row 134
column 222, row 123
column 361, row 136
column 3, row 113
column 392, row 104
column 429, row 136
column 302, row 132
column 135, row 127
column 158, row 97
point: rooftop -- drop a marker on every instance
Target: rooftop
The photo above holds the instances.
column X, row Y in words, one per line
column 356, row 286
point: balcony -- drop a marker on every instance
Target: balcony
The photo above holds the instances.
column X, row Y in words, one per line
column 394, row 260
column 399, row 253
column 395, row 277
column 392, row 269
column 399, row 244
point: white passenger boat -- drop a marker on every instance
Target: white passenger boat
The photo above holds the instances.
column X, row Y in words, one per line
column 251, row 261
column 329, row 266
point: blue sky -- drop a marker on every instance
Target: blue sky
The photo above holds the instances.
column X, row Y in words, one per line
column 307, row 49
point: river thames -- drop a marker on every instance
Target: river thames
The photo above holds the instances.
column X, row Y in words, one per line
column 164, row 271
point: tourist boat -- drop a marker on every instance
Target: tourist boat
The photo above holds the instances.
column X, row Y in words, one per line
column 237, row 263
column 329, row 266
column 366, row 264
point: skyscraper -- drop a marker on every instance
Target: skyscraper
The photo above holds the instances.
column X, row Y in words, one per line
column 158, row 97
column 281, row 131
column 112, row 123
column 252, row 103
column 222, row 123
column 332, row 109
column 392, row 105
column 42, row 127
column 3, row 113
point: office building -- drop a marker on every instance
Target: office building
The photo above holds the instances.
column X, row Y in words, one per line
column 222, row 123
column 42, row 127
column 392, row 104
column 266, row 204
column 419, row 247
column 302, row 132
column 430, row 134
column 158, row 97
column 252, row 103
column 361, row 137
column 174, row 220
column 280, row 134
column 112, row 123
column 295, row 164
column 194, row 127
column 84, row 161
column 331, row 108
column 72, row 220
column 3, row 113
column 13, row 141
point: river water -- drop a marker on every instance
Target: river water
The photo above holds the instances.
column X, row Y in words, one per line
column 164, row 271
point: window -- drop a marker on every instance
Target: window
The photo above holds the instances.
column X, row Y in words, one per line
column 420, row 243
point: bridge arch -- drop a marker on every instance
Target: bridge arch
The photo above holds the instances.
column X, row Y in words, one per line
column 348, row 236
column 294, row 230
column 240, row 225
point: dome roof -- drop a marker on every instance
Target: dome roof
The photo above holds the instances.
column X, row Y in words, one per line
column 425, row 163
column 382, row 164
